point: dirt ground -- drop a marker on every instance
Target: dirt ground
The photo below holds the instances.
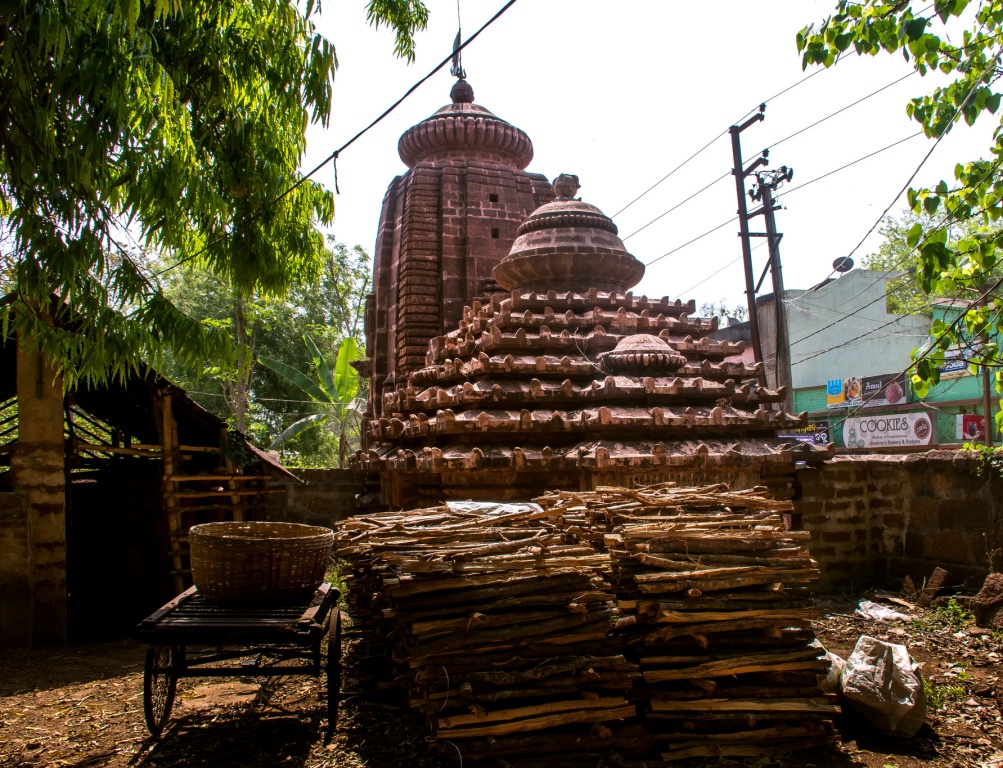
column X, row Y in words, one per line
column 82, row 707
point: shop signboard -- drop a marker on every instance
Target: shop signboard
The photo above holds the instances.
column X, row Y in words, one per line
column 882, row 390
column 899, row 430
column 970, row 426
column 816, row 432
column 866, row 391
column 956, row 362
column 835, row 395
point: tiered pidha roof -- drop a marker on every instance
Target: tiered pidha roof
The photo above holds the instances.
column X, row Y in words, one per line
column 553, row 378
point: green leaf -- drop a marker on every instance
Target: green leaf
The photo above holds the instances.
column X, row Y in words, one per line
column 307, row 422
column 323, row 368
column 914, row 234
column 920, row 387
column 131, row 15
column 345, row 376
column 296, row 378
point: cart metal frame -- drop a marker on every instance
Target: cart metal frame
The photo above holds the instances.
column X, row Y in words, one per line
column 190, row 633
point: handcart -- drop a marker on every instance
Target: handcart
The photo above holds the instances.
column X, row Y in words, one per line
column 193, row 637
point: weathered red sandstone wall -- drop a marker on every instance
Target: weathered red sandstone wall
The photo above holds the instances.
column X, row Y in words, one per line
column 445, row 225
column 875, row 519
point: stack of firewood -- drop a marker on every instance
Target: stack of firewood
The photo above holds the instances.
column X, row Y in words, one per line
column 499, row 623
column 716, row 611
column 526, row 633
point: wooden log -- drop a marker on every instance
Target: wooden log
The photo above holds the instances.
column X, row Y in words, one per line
column 736, row 668
column 506, row 715
column 691, row 630
column 812, row 706
column 667, row 616
column 744, row 750
column 539, row 723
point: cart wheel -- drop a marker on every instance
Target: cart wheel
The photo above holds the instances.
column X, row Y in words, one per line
column 159, row 684
column 334, row 674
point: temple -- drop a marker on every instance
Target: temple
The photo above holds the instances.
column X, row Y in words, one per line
column 522, row 362
column 445, row 224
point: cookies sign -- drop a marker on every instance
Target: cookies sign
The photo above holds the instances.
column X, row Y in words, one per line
column 900, row 430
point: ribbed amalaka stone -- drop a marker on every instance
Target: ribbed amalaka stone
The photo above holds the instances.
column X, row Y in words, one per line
column 445, row 224
column 568, row 245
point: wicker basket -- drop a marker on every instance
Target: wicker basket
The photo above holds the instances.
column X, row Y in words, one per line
column 243, row 563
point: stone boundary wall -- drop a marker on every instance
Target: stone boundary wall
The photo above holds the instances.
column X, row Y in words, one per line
column 328, row 496
column 875, row 519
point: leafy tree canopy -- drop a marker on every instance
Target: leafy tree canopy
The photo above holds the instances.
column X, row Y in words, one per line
column 253, row 398
column 726, row 315
column 964, row 267
column 896, row 258
column 129, row 126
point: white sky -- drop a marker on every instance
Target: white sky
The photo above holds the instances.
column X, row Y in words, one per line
column 621, row 93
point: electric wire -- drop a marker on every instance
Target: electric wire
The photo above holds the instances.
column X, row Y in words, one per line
column 334, row 155
column 841, row 110
column 715, row 273
column 922, row 355
column 670, row 173
column 678, row 205
column 796, row 133
column 936, row 143
column 700, row 151
column 690, row 242
column 945, row 222
column 787, row 192
column 844, row 167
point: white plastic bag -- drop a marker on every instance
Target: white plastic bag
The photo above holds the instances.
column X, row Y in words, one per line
column 830, row 683
column 880, row 681
column 492, row 507
column 879, row 612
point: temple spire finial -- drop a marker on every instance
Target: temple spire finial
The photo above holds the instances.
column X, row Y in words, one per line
column 457, row 70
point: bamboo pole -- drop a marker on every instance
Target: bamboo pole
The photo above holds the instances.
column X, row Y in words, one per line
column 234, row 497
column 90, row 447
column 216, row 478
column 168, row 432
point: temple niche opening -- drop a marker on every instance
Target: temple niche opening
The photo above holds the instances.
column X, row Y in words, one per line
column 546, row 371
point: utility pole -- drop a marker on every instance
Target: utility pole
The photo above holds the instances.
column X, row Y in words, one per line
column 769, row 182
column 740, row 173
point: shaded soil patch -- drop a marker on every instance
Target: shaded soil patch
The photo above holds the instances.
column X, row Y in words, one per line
column 81, row 707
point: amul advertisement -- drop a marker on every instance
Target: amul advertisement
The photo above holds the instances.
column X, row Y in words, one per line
column 866, row 391
column 900, row 430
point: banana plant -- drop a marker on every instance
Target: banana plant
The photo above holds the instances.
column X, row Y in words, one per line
column 335, row 389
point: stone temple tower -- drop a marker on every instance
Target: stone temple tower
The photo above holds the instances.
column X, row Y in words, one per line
column 445, row 224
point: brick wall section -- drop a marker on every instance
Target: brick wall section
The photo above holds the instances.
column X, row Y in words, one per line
column 15, row 571
column 328, row 496
column 445, row 224
column 875, row 519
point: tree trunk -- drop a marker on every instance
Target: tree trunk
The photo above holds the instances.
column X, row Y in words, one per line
column 238, row 385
